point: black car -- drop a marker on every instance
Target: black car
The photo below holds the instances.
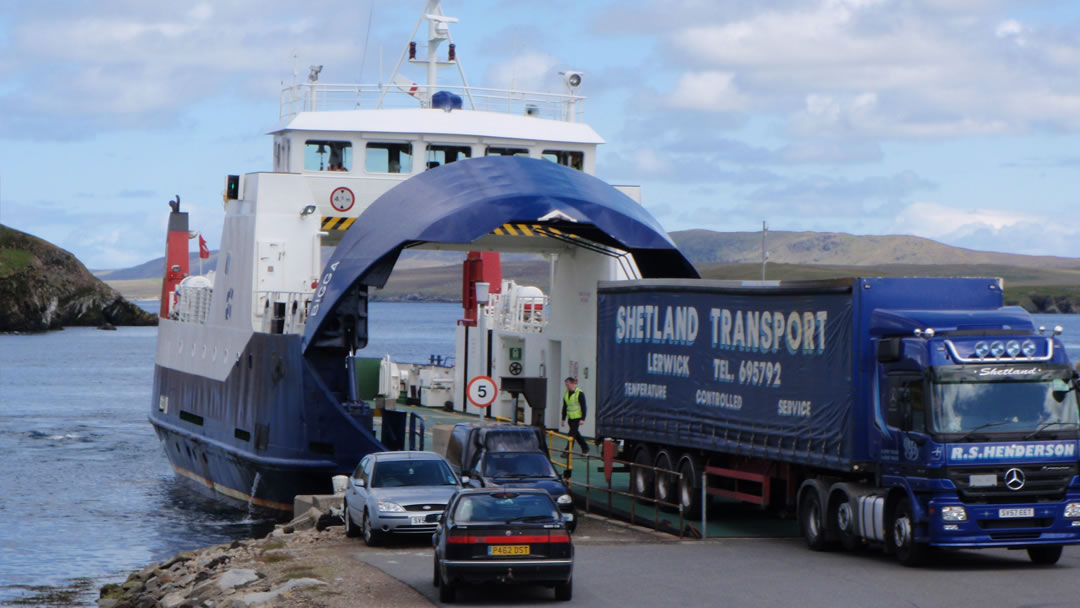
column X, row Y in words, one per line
column 512, row 456
column 503, row 535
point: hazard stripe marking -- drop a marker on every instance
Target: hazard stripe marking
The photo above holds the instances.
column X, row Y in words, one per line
column 337, row 223
column 531, row 230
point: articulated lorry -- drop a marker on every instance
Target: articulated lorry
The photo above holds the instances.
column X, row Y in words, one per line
column 899, row 412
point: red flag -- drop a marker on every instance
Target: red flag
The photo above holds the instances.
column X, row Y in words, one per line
column 204, row 251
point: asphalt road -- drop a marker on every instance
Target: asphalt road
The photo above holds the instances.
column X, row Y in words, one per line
column 630, row 568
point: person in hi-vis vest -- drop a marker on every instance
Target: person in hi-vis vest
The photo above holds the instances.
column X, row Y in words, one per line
column 574, row 411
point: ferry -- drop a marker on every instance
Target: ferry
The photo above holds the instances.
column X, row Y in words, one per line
column 256, row 397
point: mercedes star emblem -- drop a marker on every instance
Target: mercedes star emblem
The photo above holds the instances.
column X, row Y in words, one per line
column 1014, row 479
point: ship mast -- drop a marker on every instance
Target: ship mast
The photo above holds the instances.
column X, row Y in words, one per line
column 438, row 32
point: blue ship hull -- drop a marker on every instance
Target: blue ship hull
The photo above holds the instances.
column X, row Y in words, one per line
column 271, row 430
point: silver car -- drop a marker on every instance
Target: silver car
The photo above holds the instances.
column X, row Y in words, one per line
column 398, row 492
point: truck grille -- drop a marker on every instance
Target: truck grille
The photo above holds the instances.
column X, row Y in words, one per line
column 1041, row 483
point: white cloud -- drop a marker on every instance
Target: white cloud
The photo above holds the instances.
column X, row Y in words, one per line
column 934, row 220
column 709, row 91
column 528, row 71
column 988, row 229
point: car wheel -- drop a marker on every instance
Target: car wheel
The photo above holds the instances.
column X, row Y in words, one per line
column 564, row 591
column 902, row 536
column 447, row 592
column 1044, row 556
column 812, row 520
column 350, row 526
column 371, row 537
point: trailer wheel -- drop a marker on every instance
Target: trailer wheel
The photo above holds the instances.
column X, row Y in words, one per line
column 641, row 478
column 812, row 520
column 689, row 491
column 901, row 536
column 1044, row 556
column 666, row 483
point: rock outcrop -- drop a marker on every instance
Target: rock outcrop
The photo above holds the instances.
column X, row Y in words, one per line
column 43, row 287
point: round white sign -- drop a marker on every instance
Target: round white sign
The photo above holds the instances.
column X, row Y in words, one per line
column 481, row 391
column 342, row 199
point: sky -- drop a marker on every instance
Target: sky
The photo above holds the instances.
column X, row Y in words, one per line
column 955, row 120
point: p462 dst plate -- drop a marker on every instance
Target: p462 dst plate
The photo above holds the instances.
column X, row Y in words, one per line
column 508, row 550
column 1010, row 513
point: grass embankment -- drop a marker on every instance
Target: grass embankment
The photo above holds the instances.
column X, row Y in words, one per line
column 14, row 260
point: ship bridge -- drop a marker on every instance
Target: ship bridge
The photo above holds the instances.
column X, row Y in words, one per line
column 589, row 230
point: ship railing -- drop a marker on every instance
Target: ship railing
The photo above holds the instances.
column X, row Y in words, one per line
column 282, row 312
column 323, row 97
column 192, row 304
column 522, row 314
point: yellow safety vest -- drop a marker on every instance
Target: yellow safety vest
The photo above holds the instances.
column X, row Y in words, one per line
column 573, row 408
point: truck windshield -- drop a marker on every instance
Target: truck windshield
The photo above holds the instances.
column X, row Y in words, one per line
column 1006, row 399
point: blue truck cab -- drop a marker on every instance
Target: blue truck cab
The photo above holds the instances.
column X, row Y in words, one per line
column 898, row 412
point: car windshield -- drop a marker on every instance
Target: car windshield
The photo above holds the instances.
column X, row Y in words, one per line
column 400, row 473
column 506, row 506
column 1008, row 400
column 517, row 464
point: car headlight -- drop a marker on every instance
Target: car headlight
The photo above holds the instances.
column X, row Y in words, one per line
column 564, row 499
column 953, row 514
column 390, row 507
column 1072, row 510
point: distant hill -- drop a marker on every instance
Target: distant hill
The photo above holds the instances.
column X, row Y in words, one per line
column 43, row 287
column 1039, row 283
column 155, row 268
column 838, row 249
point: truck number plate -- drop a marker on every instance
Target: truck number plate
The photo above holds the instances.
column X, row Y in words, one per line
column 982, row 481
column 508, row 550
column 1016, row 512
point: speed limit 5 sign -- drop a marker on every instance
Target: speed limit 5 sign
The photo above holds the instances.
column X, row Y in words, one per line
column 481, row 391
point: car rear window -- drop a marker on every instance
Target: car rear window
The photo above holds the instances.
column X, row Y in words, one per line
column 505, row 506
column 510, row 464
column 512, row 441
column 399, row 473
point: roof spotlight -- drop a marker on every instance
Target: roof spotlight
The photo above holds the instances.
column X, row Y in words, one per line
column 1013, row 348
column 1028, row 348
column 997, row 349
column 572, row 78
column 982, row 349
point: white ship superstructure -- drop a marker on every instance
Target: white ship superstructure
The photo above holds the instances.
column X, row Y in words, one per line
column 252, row 390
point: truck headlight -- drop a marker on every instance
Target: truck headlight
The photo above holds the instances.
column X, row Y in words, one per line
column 390, row 507
column 1072, row 510
column 954, row 514
column 565, row 500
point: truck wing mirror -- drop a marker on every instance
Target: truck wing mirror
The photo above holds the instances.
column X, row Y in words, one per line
column 889, row 350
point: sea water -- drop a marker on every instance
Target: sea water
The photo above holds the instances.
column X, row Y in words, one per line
column 86, row 493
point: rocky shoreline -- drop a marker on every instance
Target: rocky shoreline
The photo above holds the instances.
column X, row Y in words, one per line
column 304, row 563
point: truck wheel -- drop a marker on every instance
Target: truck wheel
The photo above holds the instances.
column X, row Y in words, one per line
column 666, row 483
column 689, row 493
column 902, row 536
column 812, row 520
column 641, row 478
column 1044, row 555
column 842, row 520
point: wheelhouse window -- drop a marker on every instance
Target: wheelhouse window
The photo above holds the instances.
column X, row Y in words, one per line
column 441, row 155
column 503, row 151
column 567, row 158
column 388, row 157
column 327, row 155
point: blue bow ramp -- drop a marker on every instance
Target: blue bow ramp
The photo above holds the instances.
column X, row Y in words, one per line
column 464, row 201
